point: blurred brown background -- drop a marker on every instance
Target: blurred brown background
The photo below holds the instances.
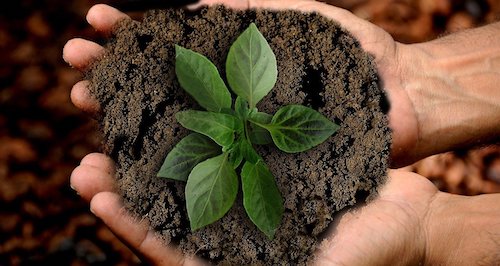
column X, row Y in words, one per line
column 43, row 137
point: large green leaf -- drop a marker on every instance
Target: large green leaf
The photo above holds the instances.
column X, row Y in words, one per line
column 200, row 78
column 217, row 126
column 190, row 151
column 259, row 135
column 251, row 66
column 261, row 197
column 296, row 128
column 211, row 190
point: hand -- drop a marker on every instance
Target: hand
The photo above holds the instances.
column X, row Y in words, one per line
column 409, row 223
column 94, row 181
column 412, row 223
column 408, row 204
column 94, row 178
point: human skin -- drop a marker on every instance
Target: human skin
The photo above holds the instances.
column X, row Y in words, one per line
column 442, row 96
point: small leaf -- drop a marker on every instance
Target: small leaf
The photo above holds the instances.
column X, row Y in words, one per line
column 251, row 66
column 236, row 155
column 243, row 149
column 219, row 127
column 190, row 151
column 241, row 108
column 296, row 128
column 211, row 190
column 248, row 152
column 261, row 197
column 261, row 117
column 259, row 135
column 200, row 78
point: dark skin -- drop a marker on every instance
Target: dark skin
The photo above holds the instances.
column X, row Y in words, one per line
column 410, row 222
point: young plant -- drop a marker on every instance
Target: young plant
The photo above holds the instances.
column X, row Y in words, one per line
column 223, row 140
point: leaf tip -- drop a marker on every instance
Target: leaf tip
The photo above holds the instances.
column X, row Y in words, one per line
column 178, row 116
column 253, row 26
column 194, row 227
column 270, row 234
column 178, row 50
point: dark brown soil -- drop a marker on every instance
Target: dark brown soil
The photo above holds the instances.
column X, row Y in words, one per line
column 319, row 64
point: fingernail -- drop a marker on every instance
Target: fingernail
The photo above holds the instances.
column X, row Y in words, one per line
column 73, row 188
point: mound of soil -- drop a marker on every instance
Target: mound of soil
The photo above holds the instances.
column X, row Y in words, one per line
column 319, row 65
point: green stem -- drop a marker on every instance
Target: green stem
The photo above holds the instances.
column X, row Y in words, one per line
column 247, row 132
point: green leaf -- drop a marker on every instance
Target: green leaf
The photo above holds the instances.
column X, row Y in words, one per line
column 241, row 108
column 200, row 78
column 261, row 117
column 296, row 128
column 190, row 151
column 261, row 197
column 249, row 152
column 243, row 149
column 236, row 155
column 219, row 127
column 259, row 135
column 211, row 190
column 251, row 66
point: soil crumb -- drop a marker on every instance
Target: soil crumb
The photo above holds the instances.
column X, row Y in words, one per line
column 319, row 65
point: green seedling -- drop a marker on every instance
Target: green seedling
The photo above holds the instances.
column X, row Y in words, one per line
column 224, row 137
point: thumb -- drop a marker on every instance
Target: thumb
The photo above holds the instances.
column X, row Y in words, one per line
column 358, row 27
column 135, row 234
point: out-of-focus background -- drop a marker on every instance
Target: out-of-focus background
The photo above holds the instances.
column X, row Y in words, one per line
column 43, row 137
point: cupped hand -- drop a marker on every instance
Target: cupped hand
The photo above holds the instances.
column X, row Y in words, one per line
column 394, row 228
column 409, row 223
column 389, row 57
column 94, row 181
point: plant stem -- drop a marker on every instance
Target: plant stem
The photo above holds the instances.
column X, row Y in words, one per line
column 247, row 134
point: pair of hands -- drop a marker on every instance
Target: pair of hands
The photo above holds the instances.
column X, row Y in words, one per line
column 409, row 223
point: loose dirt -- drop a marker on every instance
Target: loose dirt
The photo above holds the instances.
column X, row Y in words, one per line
column 319, row 64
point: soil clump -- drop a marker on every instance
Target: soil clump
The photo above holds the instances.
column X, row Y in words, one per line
column 320, row 65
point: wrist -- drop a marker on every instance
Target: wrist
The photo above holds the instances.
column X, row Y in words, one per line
column 453, row 87
column 463, row 226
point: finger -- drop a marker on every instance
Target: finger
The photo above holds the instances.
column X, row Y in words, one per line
column 235, row 4
column 104, row 18
column 348, row 20
column 136, row 234
column 101, row 161
column 90, row 180
column 94, row 175
column 358, row 27
column 307, row 6
column 79, row 53
column 83, row 99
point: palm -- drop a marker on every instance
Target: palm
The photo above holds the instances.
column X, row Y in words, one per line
column 388, row 224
